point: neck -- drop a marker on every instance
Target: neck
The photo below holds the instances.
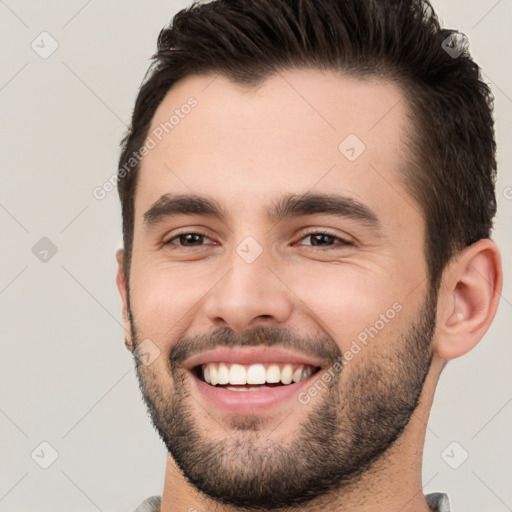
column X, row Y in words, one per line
column 393, row 481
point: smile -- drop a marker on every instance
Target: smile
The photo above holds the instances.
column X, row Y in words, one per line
column 253, row 377
column 249, row 380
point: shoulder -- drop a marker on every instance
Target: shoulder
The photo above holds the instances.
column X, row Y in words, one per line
column 151, row 504
column 438, row 501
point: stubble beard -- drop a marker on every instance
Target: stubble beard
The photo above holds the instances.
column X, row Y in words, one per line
column 344, row 430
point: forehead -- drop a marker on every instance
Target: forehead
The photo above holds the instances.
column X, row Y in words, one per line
column 296, row 131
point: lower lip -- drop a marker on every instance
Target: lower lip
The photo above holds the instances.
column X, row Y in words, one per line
column 247, row 402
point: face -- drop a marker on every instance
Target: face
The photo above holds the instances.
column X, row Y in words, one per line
column 274, row 241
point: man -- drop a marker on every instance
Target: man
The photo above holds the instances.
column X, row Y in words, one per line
column 307, row 192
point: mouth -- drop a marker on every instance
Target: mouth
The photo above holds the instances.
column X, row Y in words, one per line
column 251, row 380
column 252, row 377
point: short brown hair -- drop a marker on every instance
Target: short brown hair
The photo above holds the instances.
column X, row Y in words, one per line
column 453, row 164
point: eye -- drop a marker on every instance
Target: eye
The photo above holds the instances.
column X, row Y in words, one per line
column 191, row 239
column 318, row 239
column 323, row 239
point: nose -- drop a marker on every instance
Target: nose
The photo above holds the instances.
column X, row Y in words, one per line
column 249, row 294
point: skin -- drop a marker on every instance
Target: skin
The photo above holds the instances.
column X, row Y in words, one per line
column 245, row 148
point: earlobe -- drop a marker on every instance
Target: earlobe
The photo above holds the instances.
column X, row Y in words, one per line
column 468, row 299
column 123, row 292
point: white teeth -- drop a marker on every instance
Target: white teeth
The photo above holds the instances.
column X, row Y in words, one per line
column 287, row 374
column 273, row 373
column 223, row 374
column 255, row 374
column 297, row 375
column 213, row 375
column 258, row 388
column 237, row 374
column 306, row 372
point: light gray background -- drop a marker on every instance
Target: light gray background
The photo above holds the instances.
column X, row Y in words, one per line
column 65, row 375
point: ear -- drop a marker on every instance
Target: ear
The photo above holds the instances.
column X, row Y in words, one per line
column 468, row 299
column 123, row 291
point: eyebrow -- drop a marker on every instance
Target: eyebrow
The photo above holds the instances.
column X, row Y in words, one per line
column 172, row 205
column 291, row 205
column 331, row 204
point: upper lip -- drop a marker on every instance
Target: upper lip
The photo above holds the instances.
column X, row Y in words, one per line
column 250, row 355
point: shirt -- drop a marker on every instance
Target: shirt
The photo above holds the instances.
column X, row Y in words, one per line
column 437, row 500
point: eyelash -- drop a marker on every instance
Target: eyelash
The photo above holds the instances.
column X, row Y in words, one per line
column 344, row 241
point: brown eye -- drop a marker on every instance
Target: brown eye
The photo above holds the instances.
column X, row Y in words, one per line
column 188, row 240
column 321, row 239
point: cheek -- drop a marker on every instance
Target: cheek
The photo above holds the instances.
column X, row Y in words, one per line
column 349, row 303
column 161, row 299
